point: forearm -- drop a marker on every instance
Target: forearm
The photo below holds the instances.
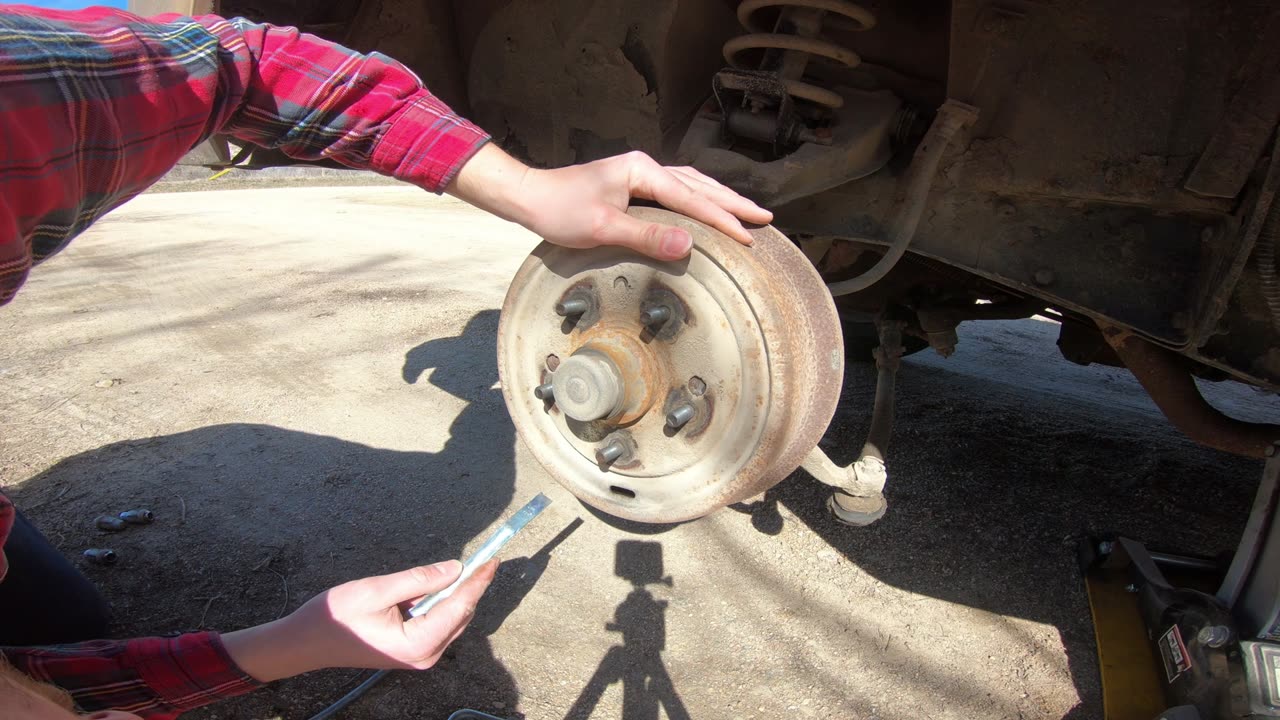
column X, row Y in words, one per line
column 274, row 651
column 495, row 182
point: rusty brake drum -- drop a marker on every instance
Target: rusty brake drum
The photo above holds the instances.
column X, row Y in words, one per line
column 659, row 392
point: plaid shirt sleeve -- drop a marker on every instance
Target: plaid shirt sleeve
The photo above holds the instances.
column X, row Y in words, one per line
column 97, row 104
column 155, row 678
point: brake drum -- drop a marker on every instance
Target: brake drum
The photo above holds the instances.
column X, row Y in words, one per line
column 661, row 391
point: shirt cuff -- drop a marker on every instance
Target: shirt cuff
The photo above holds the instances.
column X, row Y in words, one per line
column 427, row 144
column 189, row 671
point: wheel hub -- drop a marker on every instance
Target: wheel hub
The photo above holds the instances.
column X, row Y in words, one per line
column 659, row 392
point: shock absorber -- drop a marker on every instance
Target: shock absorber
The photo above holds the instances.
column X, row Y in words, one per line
column 795, row 38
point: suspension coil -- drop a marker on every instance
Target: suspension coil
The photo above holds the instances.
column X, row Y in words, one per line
column 804, row 20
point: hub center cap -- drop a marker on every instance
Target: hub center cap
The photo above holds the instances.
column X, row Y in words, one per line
column 587, row 386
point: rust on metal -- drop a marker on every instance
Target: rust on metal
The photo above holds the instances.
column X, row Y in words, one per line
column 1167, row 379
column 762, row 366
column 641, row 369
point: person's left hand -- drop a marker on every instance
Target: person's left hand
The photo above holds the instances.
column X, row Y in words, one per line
column 586, row 205
column 361, row 624
column 583, row 206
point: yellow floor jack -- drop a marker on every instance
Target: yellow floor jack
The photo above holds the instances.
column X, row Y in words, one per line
column 1178, row 638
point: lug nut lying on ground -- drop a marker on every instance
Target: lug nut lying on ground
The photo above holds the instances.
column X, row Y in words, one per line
column 101, row 556
column 110, row 523
column 141, row 516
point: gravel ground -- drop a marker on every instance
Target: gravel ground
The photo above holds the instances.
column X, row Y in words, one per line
column 301, row 384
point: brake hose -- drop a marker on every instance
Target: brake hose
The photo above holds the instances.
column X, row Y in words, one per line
column 951, row 118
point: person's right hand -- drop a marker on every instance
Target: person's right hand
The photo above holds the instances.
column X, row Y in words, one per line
column 361, row 624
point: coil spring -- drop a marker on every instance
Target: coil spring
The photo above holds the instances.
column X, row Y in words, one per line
column 850, row 16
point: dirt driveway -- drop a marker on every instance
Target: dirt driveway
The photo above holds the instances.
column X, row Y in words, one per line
column 301, row 384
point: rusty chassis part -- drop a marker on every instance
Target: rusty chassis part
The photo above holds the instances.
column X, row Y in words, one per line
column 857, row 491
column 1242, row 234
column 938, row 323
column 1169, row 382
column 951, row 119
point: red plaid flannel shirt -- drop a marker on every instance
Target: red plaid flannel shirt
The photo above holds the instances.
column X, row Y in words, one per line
column 151, row 677
column 95, row 106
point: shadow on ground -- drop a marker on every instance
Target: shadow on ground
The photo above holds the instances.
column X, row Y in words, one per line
column 254, row 516
column 990, row 490
column 989, row 513
column 641, row 620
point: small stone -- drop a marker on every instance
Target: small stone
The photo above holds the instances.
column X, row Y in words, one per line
column 112, row 382
column 500, row 705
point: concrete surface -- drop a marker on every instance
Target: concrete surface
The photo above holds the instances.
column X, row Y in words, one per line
column 301, row 384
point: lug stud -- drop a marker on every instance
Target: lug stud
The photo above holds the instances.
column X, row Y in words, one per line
column 575, row 306
column 610, row 453
column 656, row 316
column 680, row 416
column 544, row 392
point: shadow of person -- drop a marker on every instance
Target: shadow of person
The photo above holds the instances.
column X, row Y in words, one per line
column 636, row 663
column 252, row 520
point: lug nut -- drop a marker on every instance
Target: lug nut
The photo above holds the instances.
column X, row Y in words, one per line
column 544, row 392
column 608, row 454
column 656, row 315
column 1214, row 636
column 576, row 306
column 109, row 523
column 100, row 556
column 679, row 417
column 140, row 516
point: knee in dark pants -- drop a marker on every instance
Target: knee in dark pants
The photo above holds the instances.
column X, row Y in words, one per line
column 44, row 600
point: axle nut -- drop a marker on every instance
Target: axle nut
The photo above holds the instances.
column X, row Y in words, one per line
column 587, row 386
